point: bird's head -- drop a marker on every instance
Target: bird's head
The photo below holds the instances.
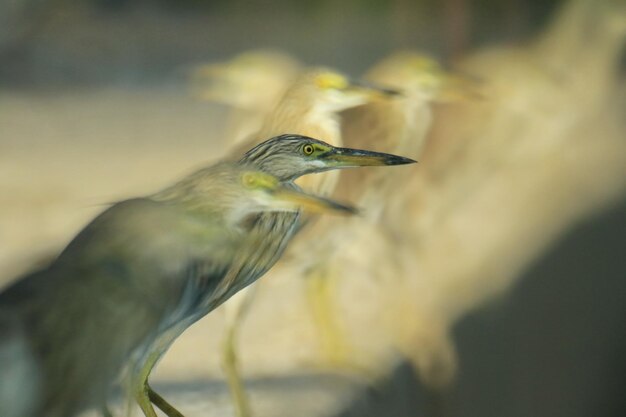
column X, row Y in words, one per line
column 290, row 156
column 422, row 75
column 251, row 80
column 330, row 91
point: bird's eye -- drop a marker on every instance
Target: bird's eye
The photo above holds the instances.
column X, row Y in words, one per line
column 307, row 149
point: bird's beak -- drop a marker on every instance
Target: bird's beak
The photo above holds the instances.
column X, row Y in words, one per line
column 372, row 90
column 350, row 158
column 298, row 200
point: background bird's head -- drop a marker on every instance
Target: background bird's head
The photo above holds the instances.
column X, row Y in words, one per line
column 328, row 91
column 251, row 80
column 421, row 75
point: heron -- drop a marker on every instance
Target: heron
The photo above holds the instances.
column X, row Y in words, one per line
column 147, row 268
column 400, row 124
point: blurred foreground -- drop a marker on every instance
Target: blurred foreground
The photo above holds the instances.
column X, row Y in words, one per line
column 500, row 181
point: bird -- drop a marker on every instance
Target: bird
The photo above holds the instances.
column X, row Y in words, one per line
column 399, row 124
column 251, row 84
column 96, row 283
column 501, row 180
column 310, row 106
column 287, row 157
column 146, row 268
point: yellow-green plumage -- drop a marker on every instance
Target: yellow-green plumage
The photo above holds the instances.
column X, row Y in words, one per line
column 145, row 269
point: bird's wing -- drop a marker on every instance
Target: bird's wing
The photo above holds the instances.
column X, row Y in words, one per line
column 147, row 247
column 114, row 287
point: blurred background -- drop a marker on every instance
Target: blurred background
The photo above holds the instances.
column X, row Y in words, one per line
column 96, row 106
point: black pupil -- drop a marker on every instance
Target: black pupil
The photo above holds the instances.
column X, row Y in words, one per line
column 308, row 149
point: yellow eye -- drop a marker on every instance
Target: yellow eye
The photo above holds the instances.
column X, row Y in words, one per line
column 307, row 149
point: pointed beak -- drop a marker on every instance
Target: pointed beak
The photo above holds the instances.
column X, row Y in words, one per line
column 298, row 200
column 373, row 90
column 350, row 158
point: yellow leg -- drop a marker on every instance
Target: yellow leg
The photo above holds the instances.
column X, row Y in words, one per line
column 163, row 405
column 335, row 348
column 233, row 376
column 236, row 311
column 143, row 394
column 143, row 400
column 337, row 351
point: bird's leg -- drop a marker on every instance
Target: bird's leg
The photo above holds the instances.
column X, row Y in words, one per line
column 140, row 388
column 163, row 405
column 335, row 348
column 144, row 394
column 235, row 315
column 233, row 376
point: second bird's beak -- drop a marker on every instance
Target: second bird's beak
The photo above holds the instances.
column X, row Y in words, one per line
column 295, row 200
column 372, row 90
column 351, row 158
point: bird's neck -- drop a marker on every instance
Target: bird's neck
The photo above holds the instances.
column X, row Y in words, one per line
column 322, row 124
column 308, row 119
column 266, row 240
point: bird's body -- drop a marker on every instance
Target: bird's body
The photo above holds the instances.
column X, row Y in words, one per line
column 97, row 288
column 145, row 269
column 500, row 175
column 502, row 178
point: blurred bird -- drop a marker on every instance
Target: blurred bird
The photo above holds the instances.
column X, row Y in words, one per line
column 251, row 83
column 288, row 157
column 158, row 264
column 502, row 179
column 310, row 107
column 133, row 274
column 400, row 124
